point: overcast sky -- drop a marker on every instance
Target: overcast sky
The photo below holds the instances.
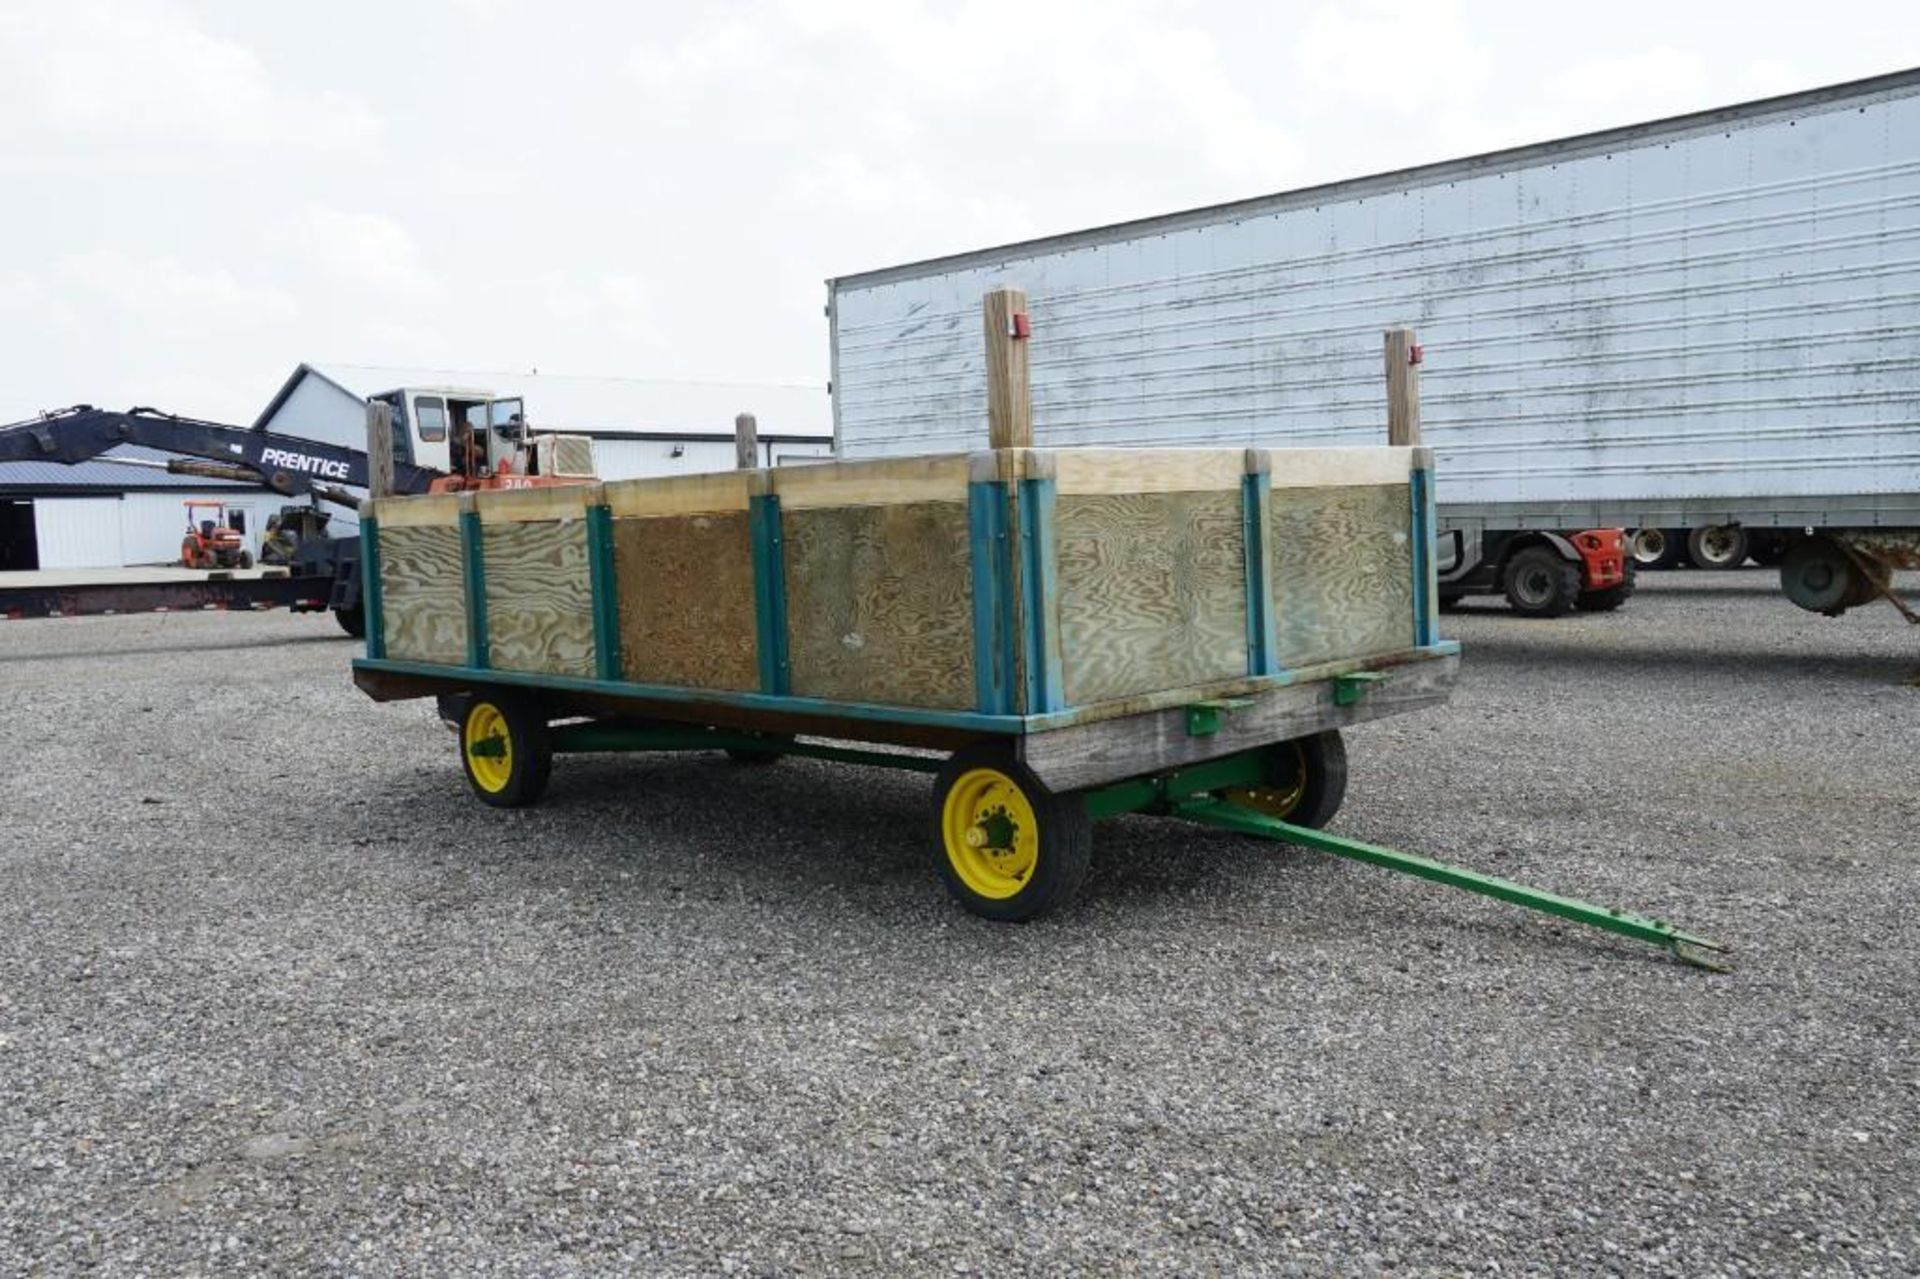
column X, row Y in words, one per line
column 197, row 196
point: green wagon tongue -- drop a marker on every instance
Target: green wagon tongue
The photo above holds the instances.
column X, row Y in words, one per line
column 1686, row 947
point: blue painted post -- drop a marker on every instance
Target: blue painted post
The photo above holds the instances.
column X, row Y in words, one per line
column 1040, row 598
column 991, row 560
column 473, row 555
column 770, row 593
column 605, row 593
column 1426, row 619
column 1256, row 506
column 370, row 600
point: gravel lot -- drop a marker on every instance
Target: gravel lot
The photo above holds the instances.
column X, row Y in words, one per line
column 277, row 994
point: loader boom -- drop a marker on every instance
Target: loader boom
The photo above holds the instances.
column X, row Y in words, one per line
column 284, row 463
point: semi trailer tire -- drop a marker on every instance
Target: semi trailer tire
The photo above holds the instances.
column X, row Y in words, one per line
column 352, row 620
column 1718, row 546
column 1540, row 583
column 1658, row 547
column 1768, row 547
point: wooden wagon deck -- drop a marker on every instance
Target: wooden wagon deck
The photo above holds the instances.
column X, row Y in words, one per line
column 1078, row 601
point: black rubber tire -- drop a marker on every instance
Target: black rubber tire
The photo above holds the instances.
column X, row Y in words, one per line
column 1768, row 547
column 452, row 708
column 754, row 758
column 1673, row 549
column 1819, row 576
column 1065, row 838
column 1322, row 759
column 1607, row 599
column 246, row 559
column 1451, row 603
column 1703, row 553
column 352, row 620
column 1539, row 583
column 531, row 762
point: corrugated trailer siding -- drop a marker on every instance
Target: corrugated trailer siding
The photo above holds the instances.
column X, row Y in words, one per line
column 1727, row 314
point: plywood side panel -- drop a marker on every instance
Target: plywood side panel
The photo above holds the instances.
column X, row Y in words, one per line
column 1152, row 591
column 686, row 601
column 423, row 594
column 539, row 602
column 880, row 604
column 1342, row 572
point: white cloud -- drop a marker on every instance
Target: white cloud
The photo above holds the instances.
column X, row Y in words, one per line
column 1657, row 81
column 1390, row 58
column 898, row 79
column 141, row 72
column 170, row 300
column 365, row 252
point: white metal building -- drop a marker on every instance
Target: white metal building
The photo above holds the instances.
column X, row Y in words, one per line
column 110, row 514
column 104, row 514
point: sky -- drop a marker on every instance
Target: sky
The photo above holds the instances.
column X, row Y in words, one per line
column 195, row 196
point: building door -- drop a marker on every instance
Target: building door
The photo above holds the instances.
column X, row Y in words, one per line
column 19, row 548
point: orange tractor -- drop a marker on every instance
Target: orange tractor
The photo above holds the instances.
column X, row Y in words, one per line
column 212, row 542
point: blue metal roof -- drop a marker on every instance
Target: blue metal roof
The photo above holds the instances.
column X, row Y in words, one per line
column 101, row 477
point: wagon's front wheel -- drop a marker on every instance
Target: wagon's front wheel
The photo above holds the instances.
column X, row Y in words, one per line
column 505, row 749
column 1304, row 780
column 1009, row 848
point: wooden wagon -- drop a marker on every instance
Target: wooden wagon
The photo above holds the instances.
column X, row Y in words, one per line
column 1083, row 631
column 1059, row 635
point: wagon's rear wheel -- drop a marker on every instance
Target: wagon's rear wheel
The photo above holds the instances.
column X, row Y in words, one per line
column 1009, row 848
column 505, row 749
column 1305, row 780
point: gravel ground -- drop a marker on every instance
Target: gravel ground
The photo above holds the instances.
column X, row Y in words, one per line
column 276, row 994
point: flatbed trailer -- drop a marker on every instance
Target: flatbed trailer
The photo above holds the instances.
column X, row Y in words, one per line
column 1073, row 633
column 302, row 593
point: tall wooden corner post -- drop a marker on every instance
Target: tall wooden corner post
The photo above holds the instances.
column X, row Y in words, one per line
column 746, row 442
column 379, row 449
column 1009, row 394
column 1403, row 387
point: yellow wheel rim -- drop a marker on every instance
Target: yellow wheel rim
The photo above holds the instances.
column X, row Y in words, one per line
column 991, row 835
column 489, row 748
column 1287, row 785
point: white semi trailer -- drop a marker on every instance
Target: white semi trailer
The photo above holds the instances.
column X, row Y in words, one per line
column 1708, row 324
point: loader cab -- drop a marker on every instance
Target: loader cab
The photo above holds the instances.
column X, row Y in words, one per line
column 457, row 430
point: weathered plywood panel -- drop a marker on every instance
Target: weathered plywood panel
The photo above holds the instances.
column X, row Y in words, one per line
column 1153, row 591
column 423, row 597
column 880, row 604
column 1342, row 572
column 686, row 600
column 539, row 600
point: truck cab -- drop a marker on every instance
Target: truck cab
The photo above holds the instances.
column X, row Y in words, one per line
column 459, row 430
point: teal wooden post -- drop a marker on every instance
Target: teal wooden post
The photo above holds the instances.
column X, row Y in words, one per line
column 1426, row 616
column 370, row 602
column 1040, row 598
column 606, row 593
column 473, row 556
column 770, row 593
column 991, row 560
column 1256, row 493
